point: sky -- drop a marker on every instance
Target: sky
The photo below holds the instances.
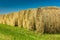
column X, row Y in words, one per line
column 7, row 6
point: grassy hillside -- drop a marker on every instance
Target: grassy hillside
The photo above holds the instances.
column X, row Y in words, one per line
column 14, row 33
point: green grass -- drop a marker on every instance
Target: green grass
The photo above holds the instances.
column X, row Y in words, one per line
column 14, row 33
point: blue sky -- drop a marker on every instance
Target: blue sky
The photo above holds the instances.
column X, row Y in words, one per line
column 7, row 6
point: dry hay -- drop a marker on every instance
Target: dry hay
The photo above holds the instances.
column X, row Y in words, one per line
column 51, row 20
column 20, row 18
column 43, row 20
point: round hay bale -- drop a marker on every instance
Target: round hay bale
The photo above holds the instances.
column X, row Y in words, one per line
column 51, row 20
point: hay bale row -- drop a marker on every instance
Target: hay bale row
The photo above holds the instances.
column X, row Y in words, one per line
column 43, row 20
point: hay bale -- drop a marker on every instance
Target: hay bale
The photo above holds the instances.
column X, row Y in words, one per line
column 39, row 21
column 20, row 18
column 31, row 19
column 51, row 20
column 9, row 19
column 14, row 19
column 25, row 19
column 2, row 19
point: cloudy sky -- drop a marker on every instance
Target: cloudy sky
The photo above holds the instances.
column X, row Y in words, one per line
column 7, row 6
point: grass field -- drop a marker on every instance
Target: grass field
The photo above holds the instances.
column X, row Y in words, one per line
column 14, row 33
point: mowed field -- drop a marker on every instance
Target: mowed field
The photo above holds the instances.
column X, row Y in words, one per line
column 15, row 33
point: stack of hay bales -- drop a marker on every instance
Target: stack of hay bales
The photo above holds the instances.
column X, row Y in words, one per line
column 43, row 20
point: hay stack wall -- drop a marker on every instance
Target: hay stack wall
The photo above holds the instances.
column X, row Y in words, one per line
column 43, row 20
